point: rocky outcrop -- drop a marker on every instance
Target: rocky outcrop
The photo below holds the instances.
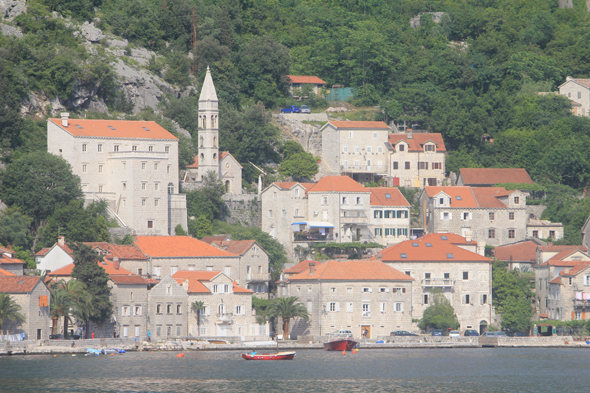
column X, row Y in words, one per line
column 308, row 136
column 436, row 18
column 10, row 9
column 90, row 32
column 10, row 30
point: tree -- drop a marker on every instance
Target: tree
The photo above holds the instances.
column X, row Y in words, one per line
column 15, row 228
column 9, row 310
column 179, row 230
column 200, row 227
column 439, row 315
column 517, row 314
column 511, row 294
column 198, row 306
column 88, row 270
column 206, row 201
column 77, row 299
column 299, row 166
column 287, row 308
column 38, row 183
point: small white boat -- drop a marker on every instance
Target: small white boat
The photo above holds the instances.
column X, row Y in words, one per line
column 92, row 351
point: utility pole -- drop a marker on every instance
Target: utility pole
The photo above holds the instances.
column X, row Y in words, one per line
column 194, row 65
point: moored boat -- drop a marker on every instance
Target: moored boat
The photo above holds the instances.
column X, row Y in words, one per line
column 269, row 356
column 340, row 341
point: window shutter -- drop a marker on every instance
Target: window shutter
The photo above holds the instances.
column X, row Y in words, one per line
column 573, row 315
column 235, row 310
column 442, row 216
column 43, row 301
column 401, row 307
column 328, row 306
column 471, row 216
column 337, row 306
column 450, row 215
column 387, row 290
column 208, row 310
column 370, row 289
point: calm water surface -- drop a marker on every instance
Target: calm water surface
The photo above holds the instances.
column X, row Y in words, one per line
column 387, row 370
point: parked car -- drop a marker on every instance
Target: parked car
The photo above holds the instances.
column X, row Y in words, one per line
column 305, row 109
column 454, row 333
column 470, row 332
column 56, row 337
column 495, row 334
column 516, row 334
column 402, row 333
column 291, row 109
column 436, row 332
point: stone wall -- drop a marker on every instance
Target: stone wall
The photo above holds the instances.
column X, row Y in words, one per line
column 243, row 209
column 534, row 341
column 535, row 211
column 308, row 136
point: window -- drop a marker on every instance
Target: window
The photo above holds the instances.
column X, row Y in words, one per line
column 351, row 134
column 425, row 298
column 367, row 289
column 446, row 216
column 214, row 288
column 100, row 188
column 296, row 212
column 447, row 276
column 345, row 163
column 466, row 216
column 158, row 309
column 379, row 149
column 284, row 213
column 437, row 165
column 407, row 164
column 345, row 149
column 366, row 310
column 137, row 310
column 578, row 314
column 179, row 308
column 150, row 224
column 450, row 256
column 401, row 147
column 125, row 311
column 511, row 234
column 491, row 216
column 579, row 94
column 143, row 165
column 403, row 255
column 349, row 307
column 297, row 192
column 167, row 149
column 169, row 309
column 536, row 234
column 143, row 185
column 270, row 214
column 429, row 147
column 324, row 200
column 100, row 168
column 143, row 202
column 491, row 233
column 116, row 148
column 99, row 148
column 378, row 213
column 168, row 169
column 238, row 310
column 84, row 168
column 398, row 307
column 356, row 163
column 332, row 307
column 374, row 135
column 427, row 276
column 359, row 200
column 466, row 299
column 357, row 149
column 84, row 147
column 344, row 201
column 484, row 299
column 369, row 149
column 395, row 165
column 134, row 148
column 422, row 165
column 155, row 166
column 552, row 234
column 516, row 200
column 402, row 231
column 378, row 232
column 465, row 275
column 511, row 215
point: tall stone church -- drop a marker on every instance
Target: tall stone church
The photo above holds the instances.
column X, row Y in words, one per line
column 209, row 159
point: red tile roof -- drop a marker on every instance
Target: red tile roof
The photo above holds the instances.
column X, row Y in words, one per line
column 18, row 284
column 195, row 163
column 487, row 197
column 359, row 124
column 300, row 267
column 557, row 248
column 339, row 184
column 466, row 197
column 122, row 129
column 353, row 271
column 118, row 250
column 416, row 143
column 124, row 279
column 287, row 185
column 483, row 176
column 239, row 289
column 10, row 261
column 577, row 269
column 556, row 280
column 215, row 238
column 42, row 252
column 195, row 278
column 379, row 197
column 518, row 252
column 305, row 79
column 107, row 265
column 439, row 251
column 6, row 273
column 177, row 246
column 238, row 247
column 583, row 82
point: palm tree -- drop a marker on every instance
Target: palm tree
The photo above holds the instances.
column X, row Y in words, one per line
column 59, row 306
column 287, row 308
column 198, row 306
column 9, row 310
column 77, row 298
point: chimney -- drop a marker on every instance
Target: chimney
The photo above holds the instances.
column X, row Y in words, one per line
column 410, row 135
column 568, row 78
column 64, row 118
column 116, row 263
column 311, row 268
column 468, row 236
column 185, row 284
column 61, row 240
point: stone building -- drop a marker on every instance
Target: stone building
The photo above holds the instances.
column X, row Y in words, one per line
column 224, row 165
column 129, row 295
column 488, row 214
column 417, row 159
column 544, row 229
column 558, row 279
column 390, row 215
column 227, row 306
column 133, row 165
column 10, row 263
column 578, row 91
column 520, row 255
column 33, row 296
column 449, row 263
column 298, row 81
column 350, row 295
column 168, row 310
column 488, row 177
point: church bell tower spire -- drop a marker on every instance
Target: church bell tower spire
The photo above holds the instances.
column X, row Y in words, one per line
column 208, row 133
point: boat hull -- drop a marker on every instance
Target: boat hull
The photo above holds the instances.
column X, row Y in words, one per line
column 340, row 345
column 269, row 356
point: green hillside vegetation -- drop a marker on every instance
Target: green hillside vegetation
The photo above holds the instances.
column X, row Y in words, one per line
column 476, row 73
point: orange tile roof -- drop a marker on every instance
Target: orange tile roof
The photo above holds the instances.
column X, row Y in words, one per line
column 6, row 273
column 379, row 197
column 305, row 79
column 518, row 252
column 487, row 197
column 42, row 252
column 466, row 197
column 10, row 261
column 543, row 315
column 353, row 271
column 577, row 269
column 238, row 247
column 556, row 280
column 195, row 163
column 107, row 265
column 416, row 143
column 18, row 284
column 125, row 279
column 122, row 129
column 557, row 248
column 300, row 267
column 195, row 278
column 439, row 250
column 359, row 124
column 118, row 250
column 239, row 289
column 338, row 184
column 583, row 82
column 483, row 176
column 215, row 238
column 178, row 246
column 287, row 185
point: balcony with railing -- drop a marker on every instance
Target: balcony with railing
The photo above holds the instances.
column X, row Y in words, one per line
column 258, row 277
column 438, row 282
column 225, row 319
column 316, row 236
column 581, row 303
column 353, row 217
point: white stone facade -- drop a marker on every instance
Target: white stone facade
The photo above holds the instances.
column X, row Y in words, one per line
column 577, row 90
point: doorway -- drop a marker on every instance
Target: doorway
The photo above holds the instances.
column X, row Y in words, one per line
column 368, row 328
column 483, row 327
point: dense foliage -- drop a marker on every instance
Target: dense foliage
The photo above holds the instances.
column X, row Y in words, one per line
column 511, row 296
column 440, row 314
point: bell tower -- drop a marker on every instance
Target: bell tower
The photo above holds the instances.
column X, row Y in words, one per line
column 208, row 129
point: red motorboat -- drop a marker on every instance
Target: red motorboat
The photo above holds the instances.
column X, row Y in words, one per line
column 341, row 340
column 269, row 356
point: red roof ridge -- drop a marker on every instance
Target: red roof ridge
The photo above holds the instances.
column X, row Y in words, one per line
column 136, row 129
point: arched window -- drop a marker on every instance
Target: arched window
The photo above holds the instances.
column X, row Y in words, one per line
column 204, row 121
column 221, row 309
column 214, row 141
column 214, row 156
column 201, row 140
column 202, row 158
column 227, row 185
column 170, row 188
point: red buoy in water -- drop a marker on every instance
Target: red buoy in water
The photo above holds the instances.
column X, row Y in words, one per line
column 180, row 355
column 344, row 352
